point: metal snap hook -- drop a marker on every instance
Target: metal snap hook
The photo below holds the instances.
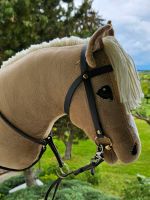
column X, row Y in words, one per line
column 63, row 171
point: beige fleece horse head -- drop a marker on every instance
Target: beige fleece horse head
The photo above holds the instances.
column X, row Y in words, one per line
column 116, row 94
column 33, row 86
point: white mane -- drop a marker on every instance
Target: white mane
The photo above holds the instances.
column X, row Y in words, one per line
column 127, row 78
column 66, row 41
column 123, row 66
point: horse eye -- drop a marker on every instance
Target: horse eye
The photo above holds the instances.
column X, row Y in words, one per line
column 105, row 92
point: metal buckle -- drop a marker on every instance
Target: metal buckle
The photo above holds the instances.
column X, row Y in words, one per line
column 108, row 147
column 85, row 76
column 103, row 140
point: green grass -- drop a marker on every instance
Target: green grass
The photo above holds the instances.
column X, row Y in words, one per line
column 112, row 178
column 147, row 108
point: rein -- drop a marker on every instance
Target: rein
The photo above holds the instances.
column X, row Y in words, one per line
column 101, row 140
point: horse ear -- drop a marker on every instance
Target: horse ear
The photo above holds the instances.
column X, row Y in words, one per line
column 110, row 32
column 95, row 42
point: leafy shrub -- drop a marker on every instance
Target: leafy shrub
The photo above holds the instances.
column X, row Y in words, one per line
column 9, row 184
column 4, row 190
column 50, row 170
column 94, row 180
column 32, row 193
column 138, row 190
column 1, row 196
column 48, row 174
column 47, row 177
column 88, row 177
column 69, row 189
column 72, row 183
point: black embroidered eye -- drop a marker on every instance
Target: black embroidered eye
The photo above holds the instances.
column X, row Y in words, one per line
column 105, row 92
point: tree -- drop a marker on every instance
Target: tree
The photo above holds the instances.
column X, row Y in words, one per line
column 143, row 112
column 68, row 133
column 145, row 82
column 27, row 22
column 86, row 20
column 29, row 177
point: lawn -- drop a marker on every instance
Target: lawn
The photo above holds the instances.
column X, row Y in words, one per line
column 112, row 178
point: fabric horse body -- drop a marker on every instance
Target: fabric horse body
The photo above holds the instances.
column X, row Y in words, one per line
column 33, row 90
column 32, row 96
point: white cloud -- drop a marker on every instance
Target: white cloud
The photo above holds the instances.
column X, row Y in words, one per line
column 131, row 22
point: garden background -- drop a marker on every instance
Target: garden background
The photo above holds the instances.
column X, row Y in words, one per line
column 26, row 22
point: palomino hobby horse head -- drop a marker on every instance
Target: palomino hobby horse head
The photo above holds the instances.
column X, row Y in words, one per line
column 96, row 85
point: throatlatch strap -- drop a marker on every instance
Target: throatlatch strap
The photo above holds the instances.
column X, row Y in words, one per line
column 20, row 132
column 42, row 142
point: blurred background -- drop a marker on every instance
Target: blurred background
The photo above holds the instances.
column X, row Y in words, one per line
column 26, row 22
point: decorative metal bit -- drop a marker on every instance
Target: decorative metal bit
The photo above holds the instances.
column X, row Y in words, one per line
column 103, row 140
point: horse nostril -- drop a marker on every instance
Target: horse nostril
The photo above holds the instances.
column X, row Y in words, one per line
column 134, row 150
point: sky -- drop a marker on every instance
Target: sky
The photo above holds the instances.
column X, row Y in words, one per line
column 131, row 22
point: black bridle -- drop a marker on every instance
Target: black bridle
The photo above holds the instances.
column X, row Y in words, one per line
column 85, row 77
column 101, row 141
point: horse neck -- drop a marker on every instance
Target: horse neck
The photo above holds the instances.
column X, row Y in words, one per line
column 41, row 80
column 61, row 67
